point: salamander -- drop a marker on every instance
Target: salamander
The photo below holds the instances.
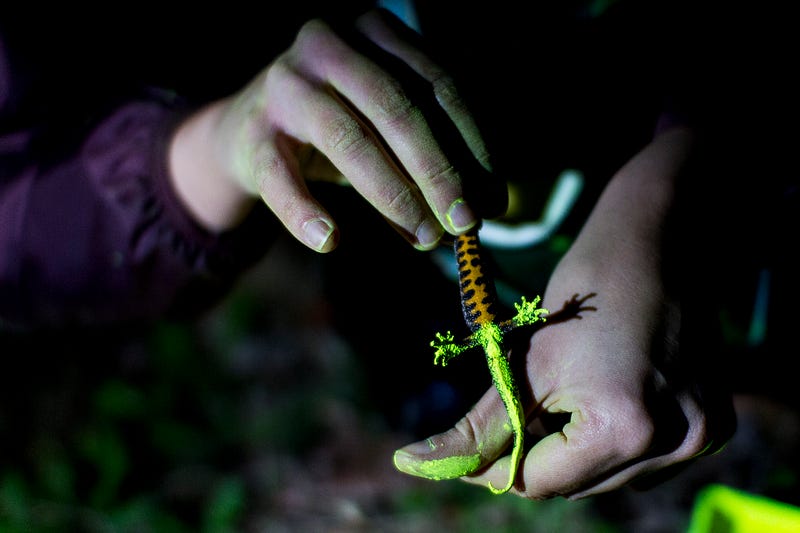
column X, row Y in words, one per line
column 479, row 305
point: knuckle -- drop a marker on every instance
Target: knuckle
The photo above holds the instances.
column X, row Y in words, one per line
column 403, row 202
column 264, row 166
column 440, row 174
column 344, row 135
column 280, row 69
column 467, row 429
column 311, row 31
column 634, row 434
column 628, row 430
column 446, row 93
column 390, row 101
column 287, row 76
column 436, row 173
column 638, row 442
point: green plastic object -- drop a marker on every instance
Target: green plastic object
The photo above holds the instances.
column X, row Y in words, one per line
column 722, row 509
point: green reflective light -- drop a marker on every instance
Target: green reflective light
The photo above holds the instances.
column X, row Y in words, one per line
column 721, row 509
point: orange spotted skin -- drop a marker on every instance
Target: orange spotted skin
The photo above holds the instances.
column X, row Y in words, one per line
column 478, row 296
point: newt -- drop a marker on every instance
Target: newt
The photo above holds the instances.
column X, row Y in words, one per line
column 479, row 305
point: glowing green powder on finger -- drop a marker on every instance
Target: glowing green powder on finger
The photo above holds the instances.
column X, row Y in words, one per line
column 437, row 469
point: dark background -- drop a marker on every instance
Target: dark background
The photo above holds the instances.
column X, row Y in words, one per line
column 279, row 408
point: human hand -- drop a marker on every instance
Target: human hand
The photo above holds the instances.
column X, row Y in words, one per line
column 614, row 397
column 370, row 106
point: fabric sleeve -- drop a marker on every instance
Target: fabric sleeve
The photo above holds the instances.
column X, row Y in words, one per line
column 98, row 236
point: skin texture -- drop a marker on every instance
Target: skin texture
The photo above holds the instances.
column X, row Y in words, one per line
column 348, row 110
column 616, row 375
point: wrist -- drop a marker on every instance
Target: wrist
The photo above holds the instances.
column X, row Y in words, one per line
column 214, row 199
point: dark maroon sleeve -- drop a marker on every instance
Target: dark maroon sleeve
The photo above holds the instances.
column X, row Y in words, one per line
column 91, row 232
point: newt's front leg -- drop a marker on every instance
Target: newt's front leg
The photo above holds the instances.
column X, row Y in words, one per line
column 479, row 300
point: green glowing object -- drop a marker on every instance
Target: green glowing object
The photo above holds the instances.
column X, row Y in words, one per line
column 478, row 302
column 720, row 509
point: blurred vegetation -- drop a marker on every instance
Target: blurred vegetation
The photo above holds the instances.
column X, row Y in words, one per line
column 166, row 435
column 262, row 417
column 259, row 416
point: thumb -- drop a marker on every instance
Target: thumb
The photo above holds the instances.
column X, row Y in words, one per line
column 475, row 441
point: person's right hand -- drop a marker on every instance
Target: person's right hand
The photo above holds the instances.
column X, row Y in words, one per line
column 380, row 113
column 630, row 398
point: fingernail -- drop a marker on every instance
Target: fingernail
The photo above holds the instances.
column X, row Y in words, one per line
column 420, row 448
column 317, row 233
column 405, row 462
column 428, row 234
column 460, row 216
column 403, row 459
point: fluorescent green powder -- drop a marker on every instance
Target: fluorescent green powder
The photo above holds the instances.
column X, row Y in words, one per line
column 437, row 469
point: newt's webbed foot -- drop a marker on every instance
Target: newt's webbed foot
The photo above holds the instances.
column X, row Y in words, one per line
column 528, row 312
column 446, row 349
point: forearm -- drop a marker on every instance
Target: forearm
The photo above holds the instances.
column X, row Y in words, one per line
column 634, row 210
column 622, row 250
